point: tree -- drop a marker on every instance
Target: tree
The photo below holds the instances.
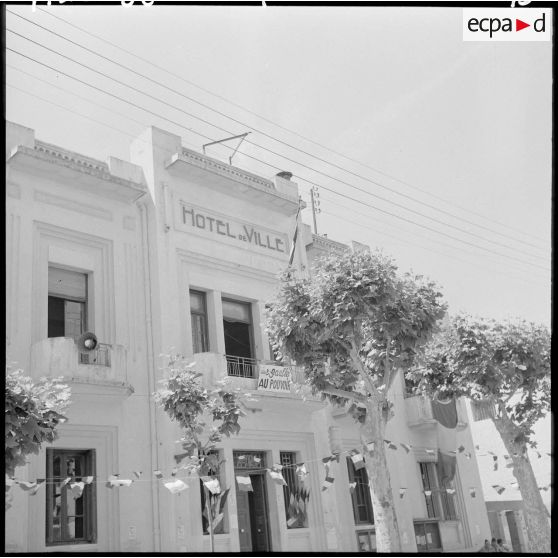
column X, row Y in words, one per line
column 352, row 325
column 506, row 366
column 33, row 412
column 190, row 404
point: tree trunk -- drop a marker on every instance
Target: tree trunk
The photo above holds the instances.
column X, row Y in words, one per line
column 536, row 514
column 385, row 519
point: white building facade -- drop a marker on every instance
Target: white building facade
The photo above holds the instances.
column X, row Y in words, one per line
column 178, row 252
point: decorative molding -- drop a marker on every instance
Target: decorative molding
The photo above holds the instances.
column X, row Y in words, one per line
column 212, row 263
column 323, row 243
column 71, row 205
column 71, row 156
column 86, row 386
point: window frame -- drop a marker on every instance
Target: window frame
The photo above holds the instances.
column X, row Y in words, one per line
column 362, row 487
column 206, row 344
column 289, row 459
column 89, row 496
column 250, row 323
column 440, row 504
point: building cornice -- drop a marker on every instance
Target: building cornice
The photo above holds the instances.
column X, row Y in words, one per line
column 324, row 243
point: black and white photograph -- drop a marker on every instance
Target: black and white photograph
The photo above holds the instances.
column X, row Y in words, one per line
column 278, row 277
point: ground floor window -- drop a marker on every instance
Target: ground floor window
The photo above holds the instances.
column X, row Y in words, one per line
column 366, row 541
column 296, row 496
column 360, row 496
column 70, row 497
column 427, row 536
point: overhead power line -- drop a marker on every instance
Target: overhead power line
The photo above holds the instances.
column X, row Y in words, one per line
column 208, row 107
column 216, row 95
column 268, row 164
column 405, row 241
column 386, row 200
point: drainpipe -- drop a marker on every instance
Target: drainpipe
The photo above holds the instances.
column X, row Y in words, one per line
column 153, row 427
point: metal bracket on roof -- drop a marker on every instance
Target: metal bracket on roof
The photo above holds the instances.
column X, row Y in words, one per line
column 241, row 136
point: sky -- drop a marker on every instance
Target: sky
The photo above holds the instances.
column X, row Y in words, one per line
column 434, row 150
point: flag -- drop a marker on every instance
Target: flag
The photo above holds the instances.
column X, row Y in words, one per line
column 352, row 487
column 175, row 486
column 66, row 481
column 495, row 459
column 473, row 492
column 402, row 491
column 445, row 412
column 461, row 449
column 295, row 235
column 499, row 489
column 428, row 492
column 406, row 447
column 137, row 474
column 26, row 485
column 115, row 481
column 277, row 477
column 328, row 481
column 212, row 484
column 158, row 474
column 87, row 480
column 77, row 489
column 450, row 490
column 370, row 447
column 244, row 483
column 40, row 482
column 358, row 461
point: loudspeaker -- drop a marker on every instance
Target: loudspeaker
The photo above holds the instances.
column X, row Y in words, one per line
column 87, row 342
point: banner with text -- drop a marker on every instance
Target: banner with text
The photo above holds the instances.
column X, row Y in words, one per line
column 275, row 378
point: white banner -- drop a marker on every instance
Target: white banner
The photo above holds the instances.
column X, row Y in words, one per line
column 275, row 378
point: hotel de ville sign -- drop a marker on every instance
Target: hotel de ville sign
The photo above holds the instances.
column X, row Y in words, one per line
column 200, row 219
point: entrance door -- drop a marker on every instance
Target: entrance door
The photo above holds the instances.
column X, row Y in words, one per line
column 253, row 523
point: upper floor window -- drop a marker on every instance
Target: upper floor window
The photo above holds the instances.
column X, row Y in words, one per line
column 70, row 508
column 67, row 303
column 237, row 325
column 362, row 503
column 198, row 314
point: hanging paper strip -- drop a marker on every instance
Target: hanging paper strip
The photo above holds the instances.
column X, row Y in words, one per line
column 402, row 491
column 77, row 489
column 477, row 447
column 392, row 446
column 301, row 472
column 358, row 461
column 450, row 490
column 473, row 492
column 277, row 477
column 87, row 480
column 370, row 446
column 495, row 458
column 406, row 447
column 40, row 482
column 428, row 492
column 158, row 474
column 173, row 472
column 26, row 485
column 137, row 474
column 66, row 481
column 9, row 481
column 113, row 481
column 212, row 484
column 244, row 483
column 499, row 489
column 352, row 487
column 468, row 455
column 175, row 486
column 292, row 521
column 538, row 454
column 278, row 467
column 461, row 449
column 328, row 481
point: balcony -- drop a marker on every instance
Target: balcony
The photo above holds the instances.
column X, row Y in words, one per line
column 94, row 371
column 251, row 375
column 419, row 412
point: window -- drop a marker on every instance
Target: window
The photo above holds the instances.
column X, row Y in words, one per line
column 427, row 536
column 362, row 504
column 67, row 303
column 212, row 469
column 70, row 515
column 198, row 315
column 237, row 325
column 366, row 541
column 295, row 495
column 439, row 503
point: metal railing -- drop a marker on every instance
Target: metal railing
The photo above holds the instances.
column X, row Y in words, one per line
column 242, row 367
column 99, row 356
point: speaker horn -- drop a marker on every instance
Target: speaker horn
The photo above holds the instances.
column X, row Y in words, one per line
column 87, row 342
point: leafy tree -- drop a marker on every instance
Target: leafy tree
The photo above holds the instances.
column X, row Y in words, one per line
column 190, row 404
column 33, row 412
column 352, row 325
column 506, row 366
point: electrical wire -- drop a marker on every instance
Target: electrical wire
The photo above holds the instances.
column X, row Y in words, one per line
column 386, row 200
column 191, row 83
column 266, row 163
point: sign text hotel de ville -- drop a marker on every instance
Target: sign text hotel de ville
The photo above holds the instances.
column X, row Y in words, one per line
column 221, row 225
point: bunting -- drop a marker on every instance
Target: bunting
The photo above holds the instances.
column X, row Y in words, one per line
column 175, row 486
column 277, row 477
column 244, row 483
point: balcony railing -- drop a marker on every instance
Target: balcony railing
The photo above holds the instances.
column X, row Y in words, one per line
column 242, row 367
column 99, row 356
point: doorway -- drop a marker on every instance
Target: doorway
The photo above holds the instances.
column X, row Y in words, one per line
column 253, row 513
